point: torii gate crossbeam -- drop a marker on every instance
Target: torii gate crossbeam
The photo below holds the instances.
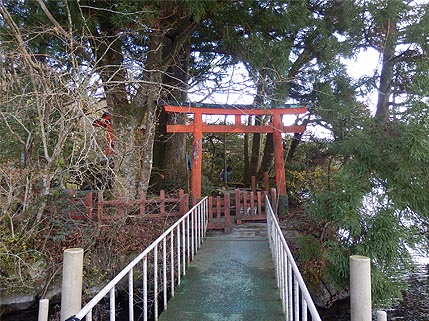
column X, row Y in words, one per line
column 198, row 127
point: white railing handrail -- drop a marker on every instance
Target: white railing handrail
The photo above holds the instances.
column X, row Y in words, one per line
column 111, row 285
column 273, row 226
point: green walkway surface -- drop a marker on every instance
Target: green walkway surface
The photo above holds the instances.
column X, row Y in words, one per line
column 231, row 278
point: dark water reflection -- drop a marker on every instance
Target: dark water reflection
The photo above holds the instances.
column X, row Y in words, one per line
column 413, row 307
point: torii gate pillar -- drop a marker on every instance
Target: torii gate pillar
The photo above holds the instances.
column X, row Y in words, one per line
column 279, row 165
column 197, row 155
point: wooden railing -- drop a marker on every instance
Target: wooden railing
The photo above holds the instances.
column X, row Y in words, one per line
column 250, row 206
column 220, row 213
column 96, row 207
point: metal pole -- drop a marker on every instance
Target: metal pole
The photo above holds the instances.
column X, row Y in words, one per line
column 381, row 316
column 43, row 310
column 360, row 288
column 71, row 293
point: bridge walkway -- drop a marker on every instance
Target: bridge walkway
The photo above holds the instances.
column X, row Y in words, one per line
column 232, row 278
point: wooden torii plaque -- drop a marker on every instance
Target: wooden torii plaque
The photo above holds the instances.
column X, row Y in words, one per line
column 198, row 127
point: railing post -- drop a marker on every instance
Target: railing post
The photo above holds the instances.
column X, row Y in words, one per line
column 360, row 288
column 71, row 290
column 381, row 316
column 43, row 310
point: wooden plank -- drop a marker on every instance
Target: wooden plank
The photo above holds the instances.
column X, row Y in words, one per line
column 235, row 129
column 236, row 110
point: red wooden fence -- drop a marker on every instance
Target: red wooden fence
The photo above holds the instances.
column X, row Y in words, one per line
column 219, row 212
column 250, row 206
column 153, row 207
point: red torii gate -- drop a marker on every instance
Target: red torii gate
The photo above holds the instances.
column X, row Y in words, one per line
column 198, row 127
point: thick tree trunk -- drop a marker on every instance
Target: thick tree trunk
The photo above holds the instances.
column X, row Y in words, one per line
column 267, row 158
column 385, row 88
column 256, row 139
column 256, row 150
column 174, row 145
column 246, row 171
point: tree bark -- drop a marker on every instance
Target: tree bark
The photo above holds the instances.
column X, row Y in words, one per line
column 386, row 77
column 172, row 147
column 267, row 158
column 246, row 171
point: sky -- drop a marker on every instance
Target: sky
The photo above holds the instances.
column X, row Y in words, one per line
column 366, row 62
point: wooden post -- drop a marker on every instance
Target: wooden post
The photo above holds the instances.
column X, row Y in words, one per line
column 253, row 180
column 259, row 195
column 210, row 216
column 237, row 206
column 266, row 182
column 142, row 204
column 43, row 310
column 227, row 206
column 279, row 166
column 181, row 202
column 88, row 205
column 360, row 288
column 162, row 205
column 71, row 290
column 197, row 154
column 186, row 204
column 100, row 206
column 245, row 204
column 252, row 203
column 237, row 119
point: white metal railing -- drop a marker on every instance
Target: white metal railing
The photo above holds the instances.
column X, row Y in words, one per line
column 181, row 241
column 296, row 299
